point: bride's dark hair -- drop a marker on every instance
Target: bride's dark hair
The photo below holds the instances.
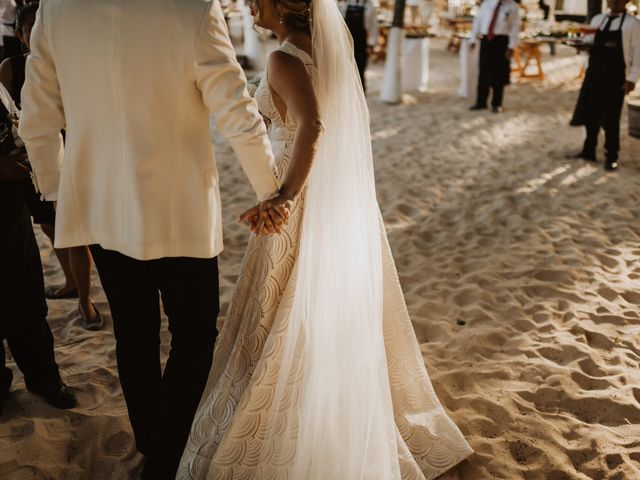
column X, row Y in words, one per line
column 295, row 13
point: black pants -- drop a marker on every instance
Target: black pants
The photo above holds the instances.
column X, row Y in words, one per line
column 494, row 70
column 611, row 129
column 161, row 406
column 354, row 19
column 23, row 308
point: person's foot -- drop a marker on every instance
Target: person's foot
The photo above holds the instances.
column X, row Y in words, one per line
column 58, row 395
column 590, row 157
column 91, row 319
column 611, row 165
column 478, row 107
column 59, row 293
column 497, row 109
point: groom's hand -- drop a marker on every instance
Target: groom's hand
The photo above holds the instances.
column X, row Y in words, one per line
column 269, row 216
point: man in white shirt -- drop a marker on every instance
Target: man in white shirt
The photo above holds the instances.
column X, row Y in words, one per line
column 496, row 26
column 10, row 43
column 614, row 69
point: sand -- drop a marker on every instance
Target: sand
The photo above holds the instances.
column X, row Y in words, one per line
column 521, row 271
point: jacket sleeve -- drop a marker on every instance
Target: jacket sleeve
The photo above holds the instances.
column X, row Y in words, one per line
column 223, row 85
column 42, row 116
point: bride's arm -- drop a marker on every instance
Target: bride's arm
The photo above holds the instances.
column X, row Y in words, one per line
column 290, row 83
column 289, row 80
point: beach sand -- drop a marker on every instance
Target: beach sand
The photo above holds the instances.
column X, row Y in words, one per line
column 521, row 271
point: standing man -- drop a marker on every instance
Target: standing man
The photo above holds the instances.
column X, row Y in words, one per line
column 134, row 82
column 496, row 26
column 362, row 21
column 11, row 45
column 614, row 69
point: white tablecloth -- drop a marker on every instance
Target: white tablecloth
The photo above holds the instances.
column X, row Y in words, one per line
column 468, row 69
column 415, row 64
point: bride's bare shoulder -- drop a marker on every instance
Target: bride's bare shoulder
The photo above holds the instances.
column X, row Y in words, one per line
column 283, row 65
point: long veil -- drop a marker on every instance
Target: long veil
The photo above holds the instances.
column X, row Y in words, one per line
column 332, row 416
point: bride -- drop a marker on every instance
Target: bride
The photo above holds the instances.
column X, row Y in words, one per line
column 317, row 373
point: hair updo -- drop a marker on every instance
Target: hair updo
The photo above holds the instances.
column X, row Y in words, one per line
column 295, row 13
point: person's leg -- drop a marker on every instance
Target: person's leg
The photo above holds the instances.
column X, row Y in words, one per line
column 81, row 264
column 612, row 132
column 498, row 95
column 189, row 289
column 63, row 258
column 591, row 140
column 483, row 76
column 135, row 307
column 6, row 377
column 28, row 334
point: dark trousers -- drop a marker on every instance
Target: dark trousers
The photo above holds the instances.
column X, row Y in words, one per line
column 483, row 94
column 354, row 19
column 611, row 129
column 494, row 70
column 161, row 405
column 23, row 308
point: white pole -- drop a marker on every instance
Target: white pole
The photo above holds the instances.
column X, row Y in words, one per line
column 254, row 48
column 391, row 91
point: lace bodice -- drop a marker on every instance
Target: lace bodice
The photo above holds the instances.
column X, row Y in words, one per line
column 281, row 131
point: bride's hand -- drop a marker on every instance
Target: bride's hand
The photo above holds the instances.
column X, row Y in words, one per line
column 269, row 216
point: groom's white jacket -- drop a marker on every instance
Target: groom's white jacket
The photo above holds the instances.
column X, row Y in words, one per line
column 133, row 83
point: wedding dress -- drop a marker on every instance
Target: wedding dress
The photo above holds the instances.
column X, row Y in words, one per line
column 317, row 373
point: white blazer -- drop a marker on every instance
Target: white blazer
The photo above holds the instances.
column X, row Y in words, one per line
column 133, row 83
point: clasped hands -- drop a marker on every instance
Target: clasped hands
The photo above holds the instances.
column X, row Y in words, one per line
column 268, row 217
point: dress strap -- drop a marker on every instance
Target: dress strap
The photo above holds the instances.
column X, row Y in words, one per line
column 294, row 51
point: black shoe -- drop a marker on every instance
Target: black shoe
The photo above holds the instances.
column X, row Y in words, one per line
column 478, row 107
column 611, row 165
column 58, row 395
column 497, row 109
column 92, row 324
column 589, row 157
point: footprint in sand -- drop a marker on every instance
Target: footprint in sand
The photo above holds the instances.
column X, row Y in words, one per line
column 588, row 383
column 592, row 369
column 607, row 293
column 118, row 444
column 632, row 297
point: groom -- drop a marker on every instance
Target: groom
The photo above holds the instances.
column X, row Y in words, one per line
column 133, row 83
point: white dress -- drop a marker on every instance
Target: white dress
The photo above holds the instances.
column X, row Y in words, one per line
column 227, row 436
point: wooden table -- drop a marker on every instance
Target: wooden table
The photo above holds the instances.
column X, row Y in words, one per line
column 459, row 26
column 526, row 54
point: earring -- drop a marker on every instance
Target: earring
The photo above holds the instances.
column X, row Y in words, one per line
column 281, row 19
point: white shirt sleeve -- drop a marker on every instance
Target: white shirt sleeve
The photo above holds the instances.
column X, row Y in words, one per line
column 514, row 29
column 633, row 62
column 475, row 27
column 371, row 23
